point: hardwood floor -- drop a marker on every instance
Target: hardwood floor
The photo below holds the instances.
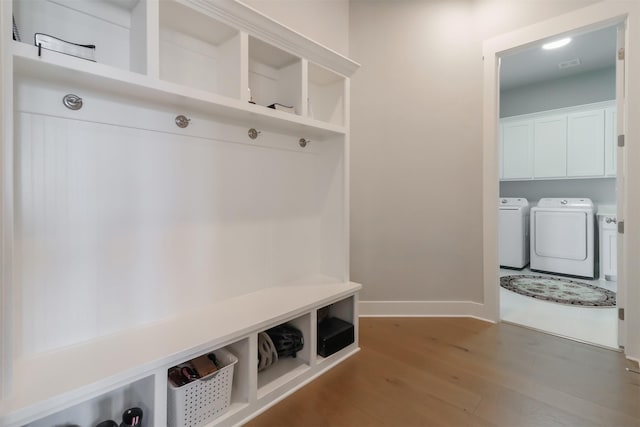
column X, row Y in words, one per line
column 454, row 372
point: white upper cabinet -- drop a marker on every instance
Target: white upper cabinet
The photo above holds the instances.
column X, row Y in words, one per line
column 610, row 141
column 550, row 147
column 517, row 149
column 585, row 143
column 575, row 142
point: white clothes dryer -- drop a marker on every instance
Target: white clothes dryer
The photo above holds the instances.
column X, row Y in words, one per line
column 513, row 232
column 562, row 237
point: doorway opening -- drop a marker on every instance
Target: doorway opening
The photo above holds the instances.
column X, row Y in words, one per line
column 558, row 186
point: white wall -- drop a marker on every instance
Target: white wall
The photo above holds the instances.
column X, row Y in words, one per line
column 601, row 191
column 325, row 21
column 416, row 143
column 416, row 146
column 585, row 88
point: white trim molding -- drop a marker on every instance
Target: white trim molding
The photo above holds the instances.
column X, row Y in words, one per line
column 423, row 309
column 247, row 19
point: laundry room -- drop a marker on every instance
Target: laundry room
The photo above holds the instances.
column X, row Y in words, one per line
column 557, row 209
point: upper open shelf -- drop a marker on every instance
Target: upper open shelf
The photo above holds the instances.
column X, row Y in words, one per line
column 194, row 46
column 74, row 71
column 199, row 51
column 326, row 98
column 275, row 77
column 117, row 28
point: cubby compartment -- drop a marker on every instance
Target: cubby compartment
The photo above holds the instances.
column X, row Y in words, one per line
column 336, row 328
column 108, row 406
column 200, row 390
column 342, row 309
column 286, row 368
column 117, row 28
column 326, row 97
column 199, row 51
column 275, row 77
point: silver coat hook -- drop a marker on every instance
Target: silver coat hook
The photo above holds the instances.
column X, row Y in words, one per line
column 182, row 121
column 303, row 142
column 253, row 134
column 72, row 102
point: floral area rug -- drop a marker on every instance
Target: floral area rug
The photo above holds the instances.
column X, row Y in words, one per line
column 560, row 290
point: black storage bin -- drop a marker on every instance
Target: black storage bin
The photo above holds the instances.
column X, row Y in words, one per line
column 333, row 335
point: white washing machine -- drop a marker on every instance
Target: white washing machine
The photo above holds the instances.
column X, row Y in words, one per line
column 513, row 232
column 562, row 233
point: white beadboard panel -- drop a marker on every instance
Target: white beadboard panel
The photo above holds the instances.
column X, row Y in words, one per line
column 117, row 226
column 52, row 198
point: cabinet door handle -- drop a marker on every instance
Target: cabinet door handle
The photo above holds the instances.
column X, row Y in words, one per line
column 610, row 220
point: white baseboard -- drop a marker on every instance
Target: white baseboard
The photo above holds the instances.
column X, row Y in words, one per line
column 633, row 359
column 423, row 309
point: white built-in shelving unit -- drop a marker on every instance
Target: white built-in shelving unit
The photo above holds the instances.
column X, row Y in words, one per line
column 130, row 244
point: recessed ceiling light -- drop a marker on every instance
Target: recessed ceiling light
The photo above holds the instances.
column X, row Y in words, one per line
column 556, row 44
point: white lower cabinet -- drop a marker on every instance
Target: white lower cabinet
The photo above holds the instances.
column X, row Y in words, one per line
column 607, row 228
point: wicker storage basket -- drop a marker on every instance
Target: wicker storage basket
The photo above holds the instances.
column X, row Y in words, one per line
column 204, row 399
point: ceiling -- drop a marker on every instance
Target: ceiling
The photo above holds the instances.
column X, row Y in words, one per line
column 595, row 50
